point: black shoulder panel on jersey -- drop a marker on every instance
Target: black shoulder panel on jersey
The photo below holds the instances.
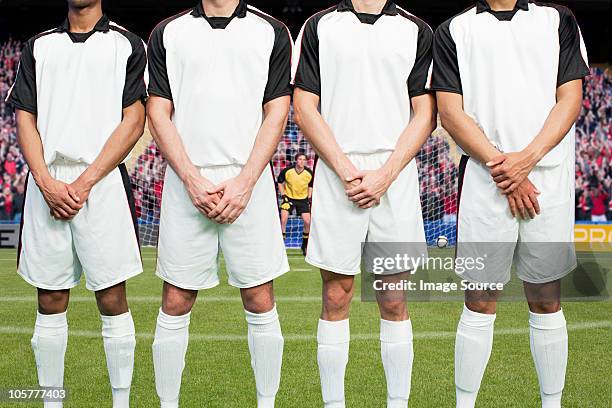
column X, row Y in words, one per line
column 572, row 64
column 159, row 84
column 134, row 88
column 308, row 74
column 418, row 80
column 22, row 94
column 279, row 70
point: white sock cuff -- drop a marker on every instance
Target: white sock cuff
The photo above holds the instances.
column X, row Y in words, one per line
column 118, row 326
column 547, row 321
column 337, row 332
column 261, row 318
column 475, row 319
column 169, row 322
column 50, row 324
column 395, row 332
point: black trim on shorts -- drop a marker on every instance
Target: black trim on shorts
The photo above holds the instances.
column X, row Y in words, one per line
column 314, row 172
column 460, row 176
column 19, row 244
column 127, row 185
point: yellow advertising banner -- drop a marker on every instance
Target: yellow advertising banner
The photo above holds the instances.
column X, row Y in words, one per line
column 593, row 233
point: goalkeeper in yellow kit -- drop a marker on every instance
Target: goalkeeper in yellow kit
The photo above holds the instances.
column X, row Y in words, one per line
column 295, row 187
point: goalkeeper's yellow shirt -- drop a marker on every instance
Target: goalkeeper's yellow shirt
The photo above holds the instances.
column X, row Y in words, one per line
column 296, row 184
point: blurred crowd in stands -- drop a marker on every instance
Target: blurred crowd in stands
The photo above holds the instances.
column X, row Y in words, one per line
column 594, row 149
column 147, row 177
column 13, row 170
column 437, row 169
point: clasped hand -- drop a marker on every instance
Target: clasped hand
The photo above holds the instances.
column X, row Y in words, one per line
column 366, row 188
column 510, row 171
column 222, row 203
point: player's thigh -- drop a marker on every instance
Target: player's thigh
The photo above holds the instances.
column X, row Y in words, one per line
column 105, row 235
column 486, row 230
column 253, row 246
column 46, row 257
column 284, row 215
column 188, row 244
column 546, row 250
column 337, row 228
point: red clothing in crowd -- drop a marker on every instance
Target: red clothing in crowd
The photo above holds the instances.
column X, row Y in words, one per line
column 8, row 204
column 10, row 167
column 600, row 203
column 582, row 203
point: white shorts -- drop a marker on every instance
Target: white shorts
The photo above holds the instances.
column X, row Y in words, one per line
column 339, row 227
column 101, row 240
column 189, row 243
column 542, row 248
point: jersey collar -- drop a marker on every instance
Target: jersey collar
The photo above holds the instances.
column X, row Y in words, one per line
column 103, row 25
column 482, row 6
column 389, row 9
column 240, row 12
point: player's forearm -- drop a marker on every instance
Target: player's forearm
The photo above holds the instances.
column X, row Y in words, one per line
column 276, row 113
column 31, row 146
column 281, row 189
column 561, row 118
column 414, row 135
column 321, row 137
column 467, row 134
column 118, row 145
column 169, row 141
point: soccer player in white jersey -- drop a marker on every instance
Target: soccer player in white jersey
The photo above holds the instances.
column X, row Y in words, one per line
column 220, row 93
column 367, row 64
column 79, row 99
column 508, row 75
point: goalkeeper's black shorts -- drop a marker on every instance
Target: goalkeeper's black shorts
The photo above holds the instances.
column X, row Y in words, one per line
column 300, row 206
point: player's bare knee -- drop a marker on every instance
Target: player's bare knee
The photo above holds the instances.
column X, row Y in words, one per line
column 336, row 302
column 177, row 301
column 482, row 306
column 52, row 301
column 393, row 309
column 544, row 307
column 259, row 299
column 482, row 301
column 259, row 306
column 112, row 301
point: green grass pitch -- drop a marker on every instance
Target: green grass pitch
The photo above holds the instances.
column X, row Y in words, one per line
column 218, row 373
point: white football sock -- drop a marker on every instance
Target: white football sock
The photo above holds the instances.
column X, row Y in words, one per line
column 169, row 349
column 266, row 347
column 397, row 356
column 548, row 339
column 119, row 336
column 49, row 345
column 473, row 346
column 332, row 355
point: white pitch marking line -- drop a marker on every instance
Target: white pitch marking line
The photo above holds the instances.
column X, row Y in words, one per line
column 431, row 335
